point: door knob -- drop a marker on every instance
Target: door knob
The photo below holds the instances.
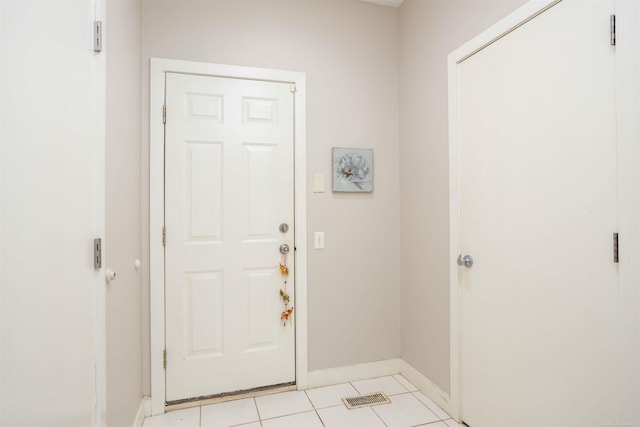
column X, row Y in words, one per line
column 467, row 261
column 110, row 275
column 284, row 249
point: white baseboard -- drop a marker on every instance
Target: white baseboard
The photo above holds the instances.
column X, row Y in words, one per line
column 426, row 386
column 144, row 410
column 345, row 374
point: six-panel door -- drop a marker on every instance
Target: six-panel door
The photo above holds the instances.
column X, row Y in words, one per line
column 228, row 187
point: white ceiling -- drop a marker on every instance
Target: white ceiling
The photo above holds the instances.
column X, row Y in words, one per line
column 393, row 3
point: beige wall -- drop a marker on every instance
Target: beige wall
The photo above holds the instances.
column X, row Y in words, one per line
column 348, row 50
column 429, row 31
column 122, row 242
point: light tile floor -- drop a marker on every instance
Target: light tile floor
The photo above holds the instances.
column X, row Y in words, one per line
column 317, row 407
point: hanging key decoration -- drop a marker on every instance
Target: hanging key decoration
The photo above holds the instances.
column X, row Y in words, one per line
column 284, row 296
column 286, row 300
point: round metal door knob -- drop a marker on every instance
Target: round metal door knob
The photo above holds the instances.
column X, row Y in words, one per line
column 466, row 261
column 284, row 248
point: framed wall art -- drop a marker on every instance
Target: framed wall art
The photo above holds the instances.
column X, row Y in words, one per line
column 353, row 170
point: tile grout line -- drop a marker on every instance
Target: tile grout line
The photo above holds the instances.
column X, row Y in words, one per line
column 320, row 418
column 379, row 417
column 424, row 404
column 287, row 415
column 255, row 403
column 315, row 410
column 398, row 381
column 309, row 399
column 430, row 410
column 428, row 424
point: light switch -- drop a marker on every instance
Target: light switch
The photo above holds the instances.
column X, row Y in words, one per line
column 318, row 183
column 318, row 240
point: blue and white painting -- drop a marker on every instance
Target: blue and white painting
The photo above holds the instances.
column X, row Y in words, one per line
column 353, row 170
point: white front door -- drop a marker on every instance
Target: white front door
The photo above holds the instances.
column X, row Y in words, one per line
column 228, row 188
column 539, row 342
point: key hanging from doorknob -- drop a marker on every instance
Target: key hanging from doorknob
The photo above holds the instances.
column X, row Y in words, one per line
column 467, row 261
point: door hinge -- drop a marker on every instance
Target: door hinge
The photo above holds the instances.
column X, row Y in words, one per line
column 164, row 359
column 97, row 254
column 164, row 114
column 294, row 89
column 97, row 36
column 613, row 30
column 616, row 257
column 164, row 236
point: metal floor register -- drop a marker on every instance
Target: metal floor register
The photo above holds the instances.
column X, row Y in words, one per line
column 366, row 400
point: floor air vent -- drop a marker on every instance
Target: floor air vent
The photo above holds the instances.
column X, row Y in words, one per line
column 366, row 400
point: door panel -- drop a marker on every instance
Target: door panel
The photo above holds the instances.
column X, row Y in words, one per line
column 204, row 215
column 228, row 187
column 203, row 311
column 539, row 341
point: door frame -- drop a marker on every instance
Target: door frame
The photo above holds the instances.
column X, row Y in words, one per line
column 158, row 69
column 628, row 97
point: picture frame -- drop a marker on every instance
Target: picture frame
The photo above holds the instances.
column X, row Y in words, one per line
column 352, row 170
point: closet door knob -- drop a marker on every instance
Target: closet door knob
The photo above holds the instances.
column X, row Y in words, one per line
column 110, row 275
column 466, row 261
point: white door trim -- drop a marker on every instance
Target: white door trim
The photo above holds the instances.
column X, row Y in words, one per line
column 156, row 206
column 627, row 83
column 1, row 210
column 628, row 130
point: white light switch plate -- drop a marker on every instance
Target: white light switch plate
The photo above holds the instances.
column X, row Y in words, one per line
column 318, row 240
column 318, row 183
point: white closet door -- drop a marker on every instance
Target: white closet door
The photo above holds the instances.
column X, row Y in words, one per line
column 538, row 209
